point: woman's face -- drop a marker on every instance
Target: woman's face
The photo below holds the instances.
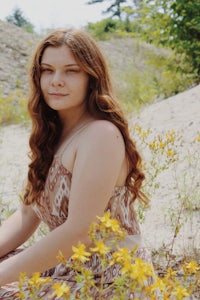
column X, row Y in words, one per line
column 63, row 83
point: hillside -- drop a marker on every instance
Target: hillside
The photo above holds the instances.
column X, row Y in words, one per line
column 15, row 49
column 17, row 45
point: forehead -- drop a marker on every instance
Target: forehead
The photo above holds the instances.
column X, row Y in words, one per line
column 62, row 55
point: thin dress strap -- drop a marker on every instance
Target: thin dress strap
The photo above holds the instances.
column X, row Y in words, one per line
column 61, row 152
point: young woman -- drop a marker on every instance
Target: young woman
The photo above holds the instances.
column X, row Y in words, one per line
column 83, row 161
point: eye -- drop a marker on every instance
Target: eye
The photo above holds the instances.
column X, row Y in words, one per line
column 46, row 70
column 72, row 70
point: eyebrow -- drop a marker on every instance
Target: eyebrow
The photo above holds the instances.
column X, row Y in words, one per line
column 68, row 65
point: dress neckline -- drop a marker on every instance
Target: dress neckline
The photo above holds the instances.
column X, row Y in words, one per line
column 71, row 138
column 57, row 160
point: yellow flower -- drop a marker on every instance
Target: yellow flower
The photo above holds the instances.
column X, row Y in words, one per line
column 170, row 273
column 60, row 290
column 106, row 220
column 105, row 217
column 161, row 145
column 152, row 145
column 157, row 285
column 141, row 270
column 138, row 128
column 22, row 277
column 170, row 152
column 143, row 133
column 180, row 293
column 197, row 138
column 116, row 226
column 22, row 280
column 121, row 255
column 127, row 267
column 170, row 138
column 191, row 267
column 100, row 248
column 138, row 274
column 110, row 223
column 60, row 257
column 37, row 280
column 79, row 253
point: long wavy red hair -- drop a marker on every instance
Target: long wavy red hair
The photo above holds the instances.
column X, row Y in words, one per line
column 46, row 125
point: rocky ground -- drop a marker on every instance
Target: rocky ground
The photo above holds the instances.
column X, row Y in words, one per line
column 181, row 114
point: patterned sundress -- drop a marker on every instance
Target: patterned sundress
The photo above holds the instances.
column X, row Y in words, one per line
column 54, row 212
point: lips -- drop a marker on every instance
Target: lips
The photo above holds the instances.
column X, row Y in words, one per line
column 57, row 94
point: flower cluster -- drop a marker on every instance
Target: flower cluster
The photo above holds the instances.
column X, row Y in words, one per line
column 136, row 278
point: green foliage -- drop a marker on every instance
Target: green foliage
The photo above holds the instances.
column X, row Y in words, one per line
column 171, row 23
column 111, row 28
column 104, row 29
column 175, row 24
column 151, row 74
column 19, row 20
column 185, row 29
column 136, row 91
column 13, row 108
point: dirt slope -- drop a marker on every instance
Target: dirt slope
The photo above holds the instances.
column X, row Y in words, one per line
column 16, row 46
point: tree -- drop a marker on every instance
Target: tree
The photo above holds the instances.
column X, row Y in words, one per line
column 174, row 23
column 19, row 20
column 171, row 23
column 185, row 29
column 115, row 7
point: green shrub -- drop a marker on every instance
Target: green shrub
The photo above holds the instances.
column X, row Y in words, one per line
column 151, row 74
column 13, row 108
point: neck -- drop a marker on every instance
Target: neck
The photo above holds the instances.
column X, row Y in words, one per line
column 72, row 124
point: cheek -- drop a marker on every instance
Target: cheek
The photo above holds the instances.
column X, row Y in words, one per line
column 43, row 84
column 82, row 89
column 85, row 86
column 83, row 92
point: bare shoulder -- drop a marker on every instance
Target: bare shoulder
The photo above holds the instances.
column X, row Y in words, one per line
column 100, row 146
column 102, row 139
column 104, row 129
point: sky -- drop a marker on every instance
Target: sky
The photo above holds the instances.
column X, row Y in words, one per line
column 45, row 14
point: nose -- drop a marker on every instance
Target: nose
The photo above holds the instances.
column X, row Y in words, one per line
column 57, row 80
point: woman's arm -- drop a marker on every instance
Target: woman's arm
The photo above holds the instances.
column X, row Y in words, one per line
column 17, row 229
column 97, row 166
